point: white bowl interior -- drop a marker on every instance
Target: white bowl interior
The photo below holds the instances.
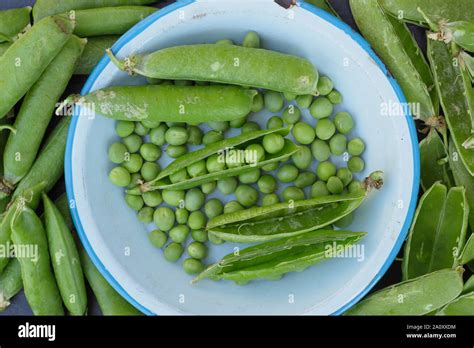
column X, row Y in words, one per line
column 118, row 242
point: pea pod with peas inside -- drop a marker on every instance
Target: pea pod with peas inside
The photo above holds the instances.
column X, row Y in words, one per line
column 271, row 260
column 13, row 22
column 230, row 64
column 438, row 231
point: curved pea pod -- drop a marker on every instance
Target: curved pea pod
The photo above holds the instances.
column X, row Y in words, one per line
column 434, row 161
column 438, row 10
column 10, row 283
column 37, row 108
column 455, row 98
column 191, row 104
column 323, row 5
column 230, row 64
column 463, row 305
column 468, row 285
column 438, row 231
column 467, row 254
column 379, row 30
column 13, row 22
column 26, row 59
column 110, row 302
column 40, row 286
column 44, row 8
column 93, row 52
column 271, row 260
column 65, row 259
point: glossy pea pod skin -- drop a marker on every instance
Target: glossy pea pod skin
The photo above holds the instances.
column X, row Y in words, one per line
column 40, row 286
column 378, row 29
column 10, row 283
column 93, row 52
column 13, row 22
column 271, row 260
column 37, row 109
column 463, row 305
column 416, row 296
column 191, row 104
column 44, row 8
column 108, row 20
column 230, row 64
column 65, row 259
column 26, row 59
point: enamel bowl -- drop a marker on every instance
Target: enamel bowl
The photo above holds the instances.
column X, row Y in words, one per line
column 117, row 242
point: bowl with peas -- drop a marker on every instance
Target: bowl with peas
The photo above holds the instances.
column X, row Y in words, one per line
column 237, row 159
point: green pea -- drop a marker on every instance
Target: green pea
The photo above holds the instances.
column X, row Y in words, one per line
column 118, row 152
column 225, row 42
column 356, row 147
column 287, row 173
column 194, row 135
column 238, row 123
column 345, row 221
column 345, row 175
column 179, row 176
column 250, row 176
column 193, row 266
column 120, row 176
column 173, row 252
column 305, row 179
column 273, row 143
column 134, row 163
column 150, row 152
column 215, row 163
column 214, row 239
column 134, row 202
column 199, row 235
column 273, row 101
column 321, row 108
column 158, row 238
column 152, row 198
column 303, row 133
column 319, row 189
column 354, row 186
column 321, row 150
column 325, row 129
column 304, row 101
column 338, row 144
column 173, row 198
column 175, row 151
column 196, row 220
column 213, row 208
column 335, row 185
column 325, row 85
column 344, row 122
column 274, row 122
column 250, row 127
column 291, row 114
column 252, row 40
column 150, row 123
column 140, row 129
column 164, row 218
column 136, row 179
column 197, row 250
column 335, row 97
column 270, row 199
column 293, row 193
column 303, row 158
column 254, row 153
column 197, row 169
column 208, row 187
column 257, row 104
column 149, row 170
column 232, row 206
column 267, row 184
column 194, row 199
column 179, row 234
column 145, row 215
column 212, row 137
column 325, row 170
column 355, row 164
column 270, row 167
column 246, row 195
column 182, row 215
column 133, row 142
column 227, row 185
column 289, row 96
column 157, row 135
column 124, row 128
column 219, row 126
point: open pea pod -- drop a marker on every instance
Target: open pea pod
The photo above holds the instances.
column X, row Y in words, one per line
column 271, row 260
column 463, row 305
column 438, row 231
column 416, row 296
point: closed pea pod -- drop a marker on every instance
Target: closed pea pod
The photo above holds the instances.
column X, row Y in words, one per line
column 13, row 22
column 93, row 52
column 463, row 305
column 10, row 283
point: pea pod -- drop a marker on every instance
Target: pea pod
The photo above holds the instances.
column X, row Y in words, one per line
column 37, row 107
column 271, row 260
column 455, row 98
column 93, row 52
column 191, row 104
column 3, row 47
column 463, row 305
column 416, row 296
column 467, row 63
column 26, row 59
column 438, row 231
column 468, row 251
column 460, row 32
column 230, row 64
column 374, row 25
column 62, row 203
column 13, row 22
column 44, row 8
column 468, row 285
column 10, row 283
column 40, row 286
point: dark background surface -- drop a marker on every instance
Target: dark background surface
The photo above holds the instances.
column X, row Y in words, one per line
column 19, row 306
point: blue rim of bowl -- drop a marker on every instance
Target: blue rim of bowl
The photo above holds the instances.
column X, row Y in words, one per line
column 136, row 30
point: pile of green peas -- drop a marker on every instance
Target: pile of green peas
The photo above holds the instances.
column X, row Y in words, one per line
column 181, row 215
